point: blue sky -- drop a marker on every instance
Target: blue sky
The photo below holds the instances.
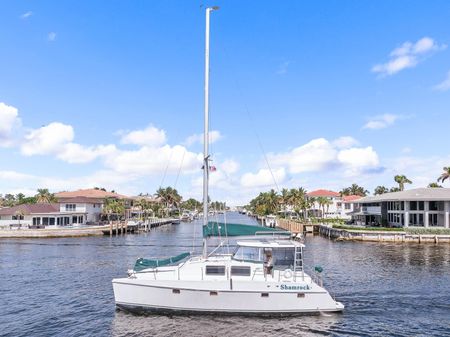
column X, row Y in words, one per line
column 111, row 94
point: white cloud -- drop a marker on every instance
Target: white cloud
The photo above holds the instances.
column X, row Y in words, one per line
column 312, row 156
column 13, row 175
column 356, row 160
column 320, row 154
column 229, row 166
column 49, row 139
column 444, row 85
column 77, row 154
column 345, row 142
column 408, row 55
column 9, row 120
column 51, row 36
column 263, row 178
column 56, row 139
column 26, row 15
column 150, row 136
column 153, row 160
column 214, row 136
column 381, row 121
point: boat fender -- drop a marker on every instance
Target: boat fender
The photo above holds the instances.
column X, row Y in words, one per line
column 287, row 273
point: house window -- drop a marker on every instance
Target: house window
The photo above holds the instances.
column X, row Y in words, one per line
column 347, row 206
column 413, row 205
column 70, row 207
column 215, row 270
column 421, row 205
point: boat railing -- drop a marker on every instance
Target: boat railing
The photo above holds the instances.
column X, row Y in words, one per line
column 277, row 234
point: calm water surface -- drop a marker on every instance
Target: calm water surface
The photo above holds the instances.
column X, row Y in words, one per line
column 62, row 287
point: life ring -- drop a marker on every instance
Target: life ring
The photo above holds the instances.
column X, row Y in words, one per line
column 287, row 273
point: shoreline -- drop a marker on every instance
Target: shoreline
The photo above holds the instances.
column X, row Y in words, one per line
column 52, row 232
column 381, row 236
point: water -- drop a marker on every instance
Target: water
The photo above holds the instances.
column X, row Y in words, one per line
column 62, row 287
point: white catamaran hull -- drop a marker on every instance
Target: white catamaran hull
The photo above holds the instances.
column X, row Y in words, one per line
column 148, row 295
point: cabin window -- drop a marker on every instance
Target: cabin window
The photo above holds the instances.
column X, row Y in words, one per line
column 264, row 294
column 215, row 270
column 300, row 295
column 213, row 293
column 240, row 271
column 175, row 291
column 248, row 254
column 283, row 257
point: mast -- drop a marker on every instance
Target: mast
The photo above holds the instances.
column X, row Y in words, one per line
column 206, row 129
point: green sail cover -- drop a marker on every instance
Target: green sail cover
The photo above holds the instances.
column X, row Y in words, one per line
column 142, row 264
column 233, row 229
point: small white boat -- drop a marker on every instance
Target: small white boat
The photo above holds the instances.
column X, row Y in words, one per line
column 264, row 276
column 242, row 283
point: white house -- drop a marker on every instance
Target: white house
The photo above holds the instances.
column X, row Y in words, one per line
column 338, row 207
column 420, row 207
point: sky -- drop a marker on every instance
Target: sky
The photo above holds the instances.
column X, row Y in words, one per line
column 318, row 94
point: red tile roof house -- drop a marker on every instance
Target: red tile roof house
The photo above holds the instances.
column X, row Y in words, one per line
column 89, row 202
column 73, row 208
column 338, row 207
column 37, row 215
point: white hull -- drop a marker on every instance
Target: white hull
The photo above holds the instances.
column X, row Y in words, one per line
column 195, row 296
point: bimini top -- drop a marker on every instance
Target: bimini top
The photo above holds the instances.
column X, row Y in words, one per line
column 270, row 243
column 231, row 229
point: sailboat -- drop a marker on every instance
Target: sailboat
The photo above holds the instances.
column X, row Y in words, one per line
column 263, row 276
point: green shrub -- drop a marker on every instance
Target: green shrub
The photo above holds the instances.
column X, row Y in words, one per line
column 431, row 231
column 357, row 228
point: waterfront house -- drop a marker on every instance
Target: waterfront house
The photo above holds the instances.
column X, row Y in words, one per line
column 37, row 215
column 338, row 206
column 419, row 207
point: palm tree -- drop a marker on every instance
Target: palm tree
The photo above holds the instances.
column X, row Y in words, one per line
column 380, row 190
column 285, row 198
column 434, row 185
column 445, row 175
column 401, row 180
column 44, row 196
column 170, row 197
column 355, row 189
column 322, row 202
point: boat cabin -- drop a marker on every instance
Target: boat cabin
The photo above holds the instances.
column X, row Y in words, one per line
column 276, row 254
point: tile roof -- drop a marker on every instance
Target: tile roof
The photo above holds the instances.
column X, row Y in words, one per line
column 28, row 209
column 90, row 193
column 349, row 198
column 323, row 193
column 418, row 194
column 85, row 200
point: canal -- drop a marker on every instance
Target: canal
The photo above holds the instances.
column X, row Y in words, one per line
column 62, row 287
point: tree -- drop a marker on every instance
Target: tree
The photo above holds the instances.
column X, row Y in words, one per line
column 44, row 196
column 401, row 180
column 113, row 206
column 355, row 189
column 380, row 190
column 394, row 189
column 170, row 197
column 434, row 185
column 445, row 175
column 322, row 201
